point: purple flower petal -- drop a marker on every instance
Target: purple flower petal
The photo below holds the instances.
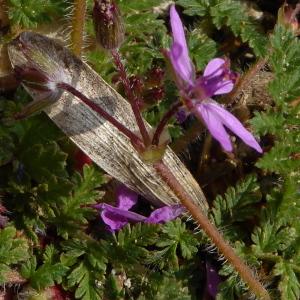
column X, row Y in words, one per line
column 212, row 280
column 231, row 122
column 165, row 214
column 213, row 124
column 179, row 54
column 217, row 78
column 181, row 115
column 126, row 198
column 113, row 221
column 214, row 67
column 116, row 218
column 223, row 87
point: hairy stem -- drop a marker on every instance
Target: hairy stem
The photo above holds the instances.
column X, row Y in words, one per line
column 133, row 137
column 244, row 271
column 164, row 121
column 78, row 21
column 131, row 97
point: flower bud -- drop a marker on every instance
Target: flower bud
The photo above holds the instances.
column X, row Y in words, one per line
column 287, row 16
column 153, row 95
column 155, row 77
column 41, row 65
column 108, row 23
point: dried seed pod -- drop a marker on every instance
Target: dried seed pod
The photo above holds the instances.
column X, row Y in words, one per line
column 108, row 23
column 100, row 140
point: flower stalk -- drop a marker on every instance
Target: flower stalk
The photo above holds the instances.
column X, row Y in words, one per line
column 164, row 121
column 78, row 23
column 244, row 271
column 136, row 141
column 131, row 97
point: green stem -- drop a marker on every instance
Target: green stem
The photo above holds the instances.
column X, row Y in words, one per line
column 78, row 22
column 244, row 271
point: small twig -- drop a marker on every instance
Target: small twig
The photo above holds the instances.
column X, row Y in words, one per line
column 164, row 121
column 131, row 97
column 132, row 136
column 78, row 22
column 225, row 249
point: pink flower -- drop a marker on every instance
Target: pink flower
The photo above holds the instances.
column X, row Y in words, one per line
column 217, row 79
column 117, row 217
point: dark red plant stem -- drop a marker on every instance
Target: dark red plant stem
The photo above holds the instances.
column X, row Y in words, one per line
column 133, row 137
column 164, row 121
column 131, row 97
column 244, row 271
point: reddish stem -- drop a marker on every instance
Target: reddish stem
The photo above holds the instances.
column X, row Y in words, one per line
column 244, row 271
column 164, row 121
column 133, row 137
column 131, row 97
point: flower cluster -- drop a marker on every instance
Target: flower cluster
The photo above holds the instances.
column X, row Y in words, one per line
column 196, row 92
column 117, row 217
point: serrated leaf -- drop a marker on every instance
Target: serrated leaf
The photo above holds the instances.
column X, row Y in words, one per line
column 202, row 49
column 175, row 233
column 86, row 284
column 268, row 122
column 289, row 285
column 233, row 14
column 74, row 211
column 45, row 275
column 43, row 160
column 237, row 204
column 194, row 7
column 13, row 250
column 272, row 238
column 27, row 13
column 280, row 158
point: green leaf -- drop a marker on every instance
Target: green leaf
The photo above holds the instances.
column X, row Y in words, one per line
column 13, row 250
column 43, row 160
column 289, row 285
column 138, row 5
column 233, row 14
column 237, row 203
column 202, row 49
column 268, row 122
column 87, row 261
column 129, row 247
column 176, row 232
column 280, row 158
column 87, row 288
column 272, row 238
column 28, row 13
column 49, row 273
column 72, row 213
column 194, row 7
